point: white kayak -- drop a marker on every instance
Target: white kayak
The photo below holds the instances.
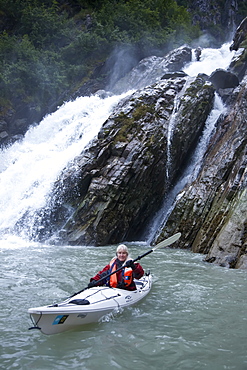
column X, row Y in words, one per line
column 87, row 307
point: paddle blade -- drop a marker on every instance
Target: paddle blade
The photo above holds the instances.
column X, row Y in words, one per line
column 168, row 241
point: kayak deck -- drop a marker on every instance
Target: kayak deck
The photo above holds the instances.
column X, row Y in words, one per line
column 87, row 307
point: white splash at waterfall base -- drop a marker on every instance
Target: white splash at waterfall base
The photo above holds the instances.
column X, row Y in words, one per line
column 194, row 318
column 29, row 168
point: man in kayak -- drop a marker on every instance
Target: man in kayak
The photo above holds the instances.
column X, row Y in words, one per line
column 123, row 279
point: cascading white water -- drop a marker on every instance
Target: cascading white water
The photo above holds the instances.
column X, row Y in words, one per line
column 194, row 317
column 210, row 60
column 29, row 168
column 170, row 133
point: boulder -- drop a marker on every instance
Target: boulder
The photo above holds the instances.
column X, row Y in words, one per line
column 222, row 79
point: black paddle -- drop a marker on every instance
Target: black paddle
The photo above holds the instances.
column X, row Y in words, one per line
column 162, row 244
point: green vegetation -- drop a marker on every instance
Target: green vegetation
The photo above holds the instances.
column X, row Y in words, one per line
column 48, row 47
column 242, row 8
column 141, row 110
column 125, row 124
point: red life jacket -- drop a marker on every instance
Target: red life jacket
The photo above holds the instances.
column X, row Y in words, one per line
column 127, row 274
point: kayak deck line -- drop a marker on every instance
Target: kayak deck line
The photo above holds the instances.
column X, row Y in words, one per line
column 67, row 315
column 89, row 306
column 83, row 301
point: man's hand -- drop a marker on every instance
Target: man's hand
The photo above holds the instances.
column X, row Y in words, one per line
column 131, row 264
column 91, row 284
column 104, row 274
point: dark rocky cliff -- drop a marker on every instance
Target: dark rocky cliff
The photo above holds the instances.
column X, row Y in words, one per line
column 120, row 181
column 115, row 187
column 211, row 211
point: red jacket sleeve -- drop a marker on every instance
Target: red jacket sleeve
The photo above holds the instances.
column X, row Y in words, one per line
column 138, row 271
column 98, row 276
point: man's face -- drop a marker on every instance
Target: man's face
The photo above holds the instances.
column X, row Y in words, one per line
column 122, row 255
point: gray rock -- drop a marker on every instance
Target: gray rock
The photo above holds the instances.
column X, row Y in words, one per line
column 120, row 181
column 151, row 69
column 222, row 79
column 211, row 211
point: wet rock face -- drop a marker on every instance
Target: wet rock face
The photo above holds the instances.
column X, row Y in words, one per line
column 151, row 69
column 119, row 180
column 240, row 35
column 117, row 185
column 238, row 65
column 189, row 118
column 208, row 14
column 211, row 211
column 122, row 170
column 222, row 79
column 230, row 245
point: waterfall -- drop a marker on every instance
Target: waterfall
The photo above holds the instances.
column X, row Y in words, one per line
column 170, row 133
column 190, row 172
column 29, row 168
column 210, row 60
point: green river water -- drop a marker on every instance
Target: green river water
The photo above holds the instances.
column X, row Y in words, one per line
column 194, row 317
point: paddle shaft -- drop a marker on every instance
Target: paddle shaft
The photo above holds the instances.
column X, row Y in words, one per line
column 162, row 244
column 114, row 272
column 123, row 266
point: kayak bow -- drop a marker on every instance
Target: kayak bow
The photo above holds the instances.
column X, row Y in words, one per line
column 89, row 306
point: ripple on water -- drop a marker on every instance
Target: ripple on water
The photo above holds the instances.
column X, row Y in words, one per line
column 193, row 318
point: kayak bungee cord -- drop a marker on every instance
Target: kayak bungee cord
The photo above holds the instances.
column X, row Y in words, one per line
column 89, row 306
column 92, row 305
column 35, row 323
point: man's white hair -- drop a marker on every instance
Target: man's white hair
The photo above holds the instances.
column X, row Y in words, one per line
column 123, row 248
